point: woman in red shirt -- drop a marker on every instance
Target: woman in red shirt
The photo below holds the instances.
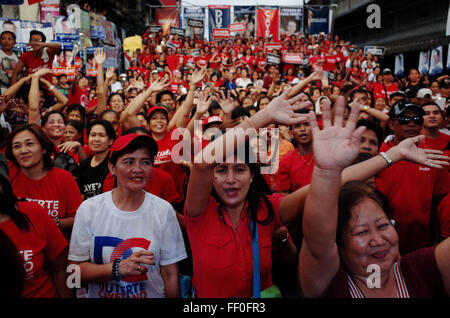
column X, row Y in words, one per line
column 41, row 246
column 224, row 198
column 33, row 176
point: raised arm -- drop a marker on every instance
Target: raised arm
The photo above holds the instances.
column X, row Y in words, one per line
column 99, row 58
column 16, row 72
column 298, row 88
column 61, row 99
column 128, row 118
column 14, row 88
column 181, row 117
column 280, row 110
column 334, row 147
column 34, row 112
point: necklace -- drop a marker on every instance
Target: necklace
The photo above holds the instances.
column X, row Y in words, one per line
column 306, row 162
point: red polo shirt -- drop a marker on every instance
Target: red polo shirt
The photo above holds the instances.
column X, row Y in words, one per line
column 222, row 256
column 410, row 188
column 295, row 171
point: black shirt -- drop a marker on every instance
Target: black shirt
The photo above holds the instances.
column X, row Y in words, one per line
column 91, row 179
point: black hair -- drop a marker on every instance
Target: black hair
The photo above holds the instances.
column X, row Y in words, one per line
column 78, row 107
column 108, row 111
column 42, row 138
column 164, row 92
column 239, row 111
column 113, row 94
column 374, row 126
column 9, row 32
column 351, row 194
column 135, row 130
column 36, row 32
column 78, row 126
column 109, row 129
column 8, row 202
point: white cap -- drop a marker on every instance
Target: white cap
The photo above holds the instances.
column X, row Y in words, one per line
column 423, row 92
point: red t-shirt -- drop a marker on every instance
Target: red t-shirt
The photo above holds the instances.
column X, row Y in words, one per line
column 80, row 96
column 163, row 160
column 378, row 89
column 161, row 184
column 410, row 188
column 419, row 270
column 57, row 192
column 34, row 63
column 295, row 171
column 443, row 213
column 439, row 143
column 172, row 61
column 41, row 244
column 203, row 60
column 330, row 62
column 223, row 256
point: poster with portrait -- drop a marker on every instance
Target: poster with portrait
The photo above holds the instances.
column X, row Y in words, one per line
column 245, row 15
column 11, row 25
column 49, row 11
column 27, row 26
column 436, row 62
column 76, row 42
column 64, row 62
column 63, row 25
column 399, row 65
column 291, row 21
column 424, row 62
column 317, row 20
column 267, row 23
column 193, row 13
column 91, row 66
column 219, row 17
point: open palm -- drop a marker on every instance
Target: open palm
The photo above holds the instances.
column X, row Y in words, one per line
column 336, row 146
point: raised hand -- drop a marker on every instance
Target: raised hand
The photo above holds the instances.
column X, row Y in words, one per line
column 226, row 102
column 69, row 145
column 429, row 157
column 41, row 72
column 281, row 110
column 159, row 85
column 198, row 76
column 99, row 56
column 203, row 102
column 109, row 73
column 336, row 146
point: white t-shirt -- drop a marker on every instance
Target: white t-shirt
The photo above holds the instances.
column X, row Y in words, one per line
column 102, row 233
column 243, row 82
column 7, row 65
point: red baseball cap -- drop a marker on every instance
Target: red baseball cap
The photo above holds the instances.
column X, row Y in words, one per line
column 123, row 141
column 212, row 120
column 156, row 108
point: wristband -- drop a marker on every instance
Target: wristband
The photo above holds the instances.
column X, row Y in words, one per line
column 286, row 238
column 58, row 222
column 115, row 270
column 385, row 156
column 52, row 87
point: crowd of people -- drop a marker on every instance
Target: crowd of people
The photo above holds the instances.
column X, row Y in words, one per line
column 205, row 171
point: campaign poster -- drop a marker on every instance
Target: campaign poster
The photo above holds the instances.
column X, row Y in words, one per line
column 219, row 18
column 91, row 66
column 245, row 15
column 27, row 26
column 291, row 21
column 64, row 62
column 63, row 25
column 167, row 17
column 399, row 69
column 424, row 62
column 12, row 26
column 436, row 63
column 49, row 11
column 75, row 39
column 267, row 23
column 317, row 20
column 193, row 13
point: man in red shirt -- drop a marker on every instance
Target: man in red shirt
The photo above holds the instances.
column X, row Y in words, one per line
column 432, row 122
column 410, row 187
column 387, row 85
column 41, row 56
column 172, row 60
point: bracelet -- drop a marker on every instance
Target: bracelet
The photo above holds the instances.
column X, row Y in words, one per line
column 58, row 222
column 115, row 270
column 52, row 87
column 385, row 156
column 365, row 108
column 251, row 123
column 286, row 238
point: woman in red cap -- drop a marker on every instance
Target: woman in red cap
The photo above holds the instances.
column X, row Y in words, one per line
column 127, row 242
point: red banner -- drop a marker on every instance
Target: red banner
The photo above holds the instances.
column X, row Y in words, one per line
column 267, row 23
column 269, row 46
column 292, row 58
column 221, row 33
column 167, row 17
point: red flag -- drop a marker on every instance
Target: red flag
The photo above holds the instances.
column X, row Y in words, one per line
column 30, row 2
column 167, row 17
column 267, row 23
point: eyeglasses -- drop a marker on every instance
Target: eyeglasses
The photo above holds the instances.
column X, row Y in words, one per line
column 404, row 120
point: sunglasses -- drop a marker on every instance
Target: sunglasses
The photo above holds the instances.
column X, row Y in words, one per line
column 404, row 120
